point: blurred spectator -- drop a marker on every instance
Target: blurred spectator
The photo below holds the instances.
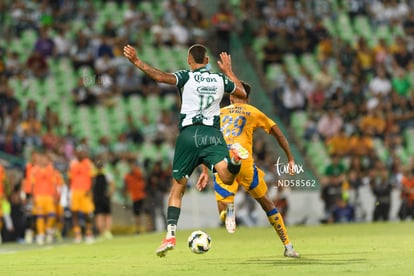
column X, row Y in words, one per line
column 50, row 139
column 167, row 126
column 31, row 130
column 130, row 83
column 105, row 48
column 402, row 56
column 180, row 33
column 161, row 33
column 132, row 132
column 316, row 99
column 381, row 187
column 104, row 149
column 81, row 52
column 365, row 57
column 343, row 212
column 272, row 54
column 324, row 79
column 347, row 55
column 102, row 191
column 407, row 195
column 13, row 64
column 134, row 188
column 109, row 30
column 408, row 25
column 293, row 99
column 62, row 43
column 301, row 41
column 31, row 110
column 103, row 63
column 373, row 123
column 329, row 124
column 338, row 144
column 104, row 89
column 157, row 186
column 400, row 82
column 224, row 23
column 361, row 144
column 122, row 148
column 37, row 65
column 44, row 44
column 82, row 95
column 330, row 194
column 380, row 85
column 306, row 82
column 23, row 17
column 382, row 53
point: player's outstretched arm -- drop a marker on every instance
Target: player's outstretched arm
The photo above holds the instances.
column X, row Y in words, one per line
column 225, row 65
column 281, row 139
column 159, row 76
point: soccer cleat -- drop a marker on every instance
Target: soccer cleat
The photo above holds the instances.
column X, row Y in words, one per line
column 89, row 239
column 230, row 220
column 108, row 235
column 77, row 238
column 291, row 253
column 49, row 238
column 28, row 236
column 40, row 239
column 167, row 244
column 239, row 153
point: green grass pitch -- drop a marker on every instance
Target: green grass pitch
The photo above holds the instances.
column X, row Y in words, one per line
column 352, row 249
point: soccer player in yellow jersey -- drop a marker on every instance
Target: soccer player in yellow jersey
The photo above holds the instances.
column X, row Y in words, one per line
column 238, row 123
column 2, row 179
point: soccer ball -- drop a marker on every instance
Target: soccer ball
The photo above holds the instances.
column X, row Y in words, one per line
column 199, row 242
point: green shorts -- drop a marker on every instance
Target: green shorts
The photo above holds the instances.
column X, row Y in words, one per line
column 197, row 145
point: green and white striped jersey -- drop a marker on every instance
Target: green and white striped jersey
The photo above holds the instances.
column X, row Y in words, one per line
column 201, row 92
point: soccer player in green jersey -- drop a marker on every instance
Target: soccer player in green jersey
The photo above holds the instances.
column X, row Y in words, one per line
column 200, row 140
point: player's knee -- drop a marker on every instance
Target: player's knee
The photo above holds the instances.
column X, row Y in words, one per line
column 227, row 179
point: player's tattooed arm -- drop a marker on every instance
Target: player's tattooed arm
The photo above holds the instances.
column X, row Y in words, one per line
column 154, row 73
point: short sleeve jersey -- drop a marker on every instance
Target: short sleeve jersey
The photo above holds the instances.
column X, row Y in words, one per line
column 201, row 92
column 81, row 174
column 239, row 121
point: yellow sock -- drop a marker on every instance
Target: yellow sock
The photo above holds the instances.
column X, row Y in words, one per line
column 40, row 225
column 223, row 215
column 276, row 221
column 50, row 222
column 77, row 231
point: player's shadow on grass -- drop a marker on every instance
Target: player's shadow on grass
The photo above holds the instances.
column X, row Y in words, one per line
column 305, row 261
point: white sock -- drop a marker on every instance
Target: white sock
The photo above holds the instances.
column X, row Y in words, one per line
column 289, row 246
column 171, row 228
column 235, row 162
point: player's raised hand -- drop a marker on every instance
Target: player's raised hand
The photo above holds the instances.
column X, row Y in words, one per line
column 225, row 62
column 130, row 53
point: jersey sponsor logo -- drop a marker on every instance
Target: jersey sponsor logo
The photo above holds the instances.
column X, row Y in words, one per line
column 208, row 90
column 200, row 78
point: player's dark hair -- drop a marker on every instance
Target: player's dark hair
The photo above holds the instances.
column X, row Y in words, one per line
column 247, row 88
column 198, row 52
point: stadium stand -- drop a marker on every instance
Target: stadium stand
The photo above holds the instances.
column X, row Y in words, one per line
column 86, row 107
